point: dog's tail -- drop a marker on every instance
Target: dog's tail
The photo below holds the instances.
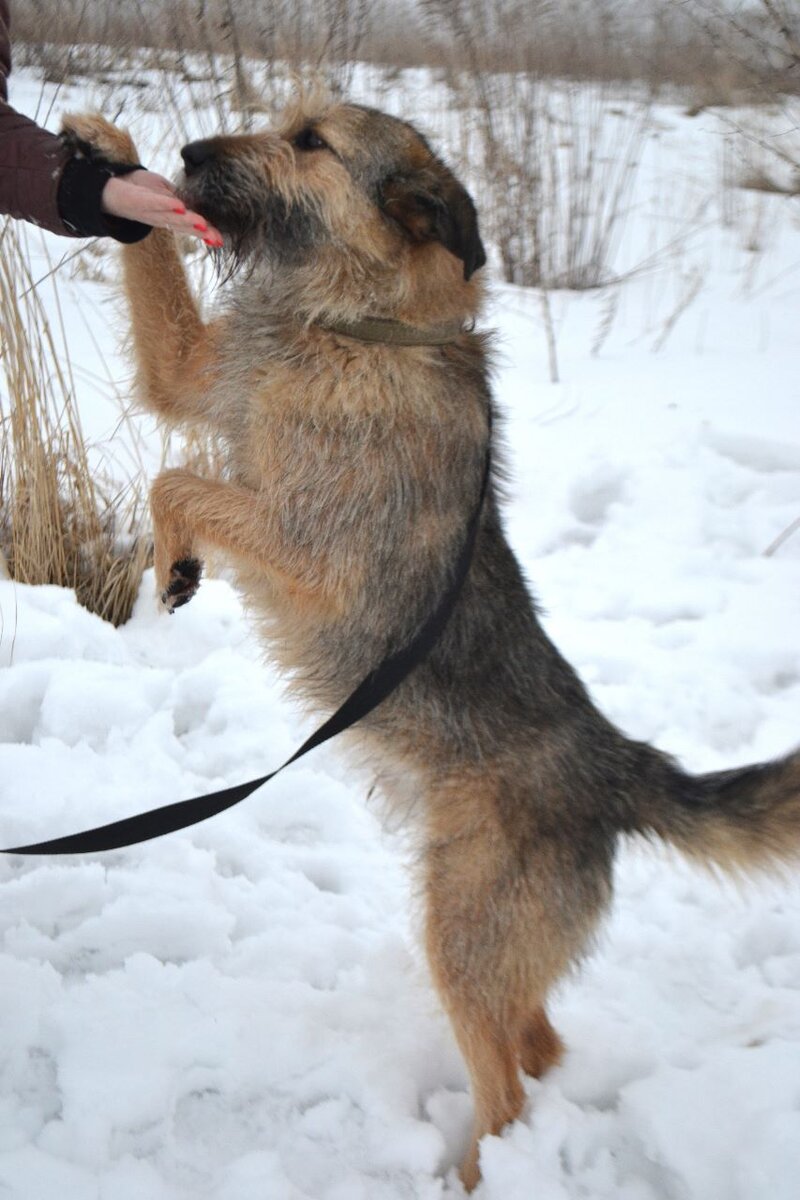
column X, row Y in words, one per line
column 742, row 820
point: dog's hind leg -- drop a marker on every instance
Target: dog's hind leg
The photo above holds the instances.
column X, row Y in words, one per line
column 498, row 1096
column 483, row 975
column 540, row 1047
column 510, row 907
column 486, row 984
column 486, row 1041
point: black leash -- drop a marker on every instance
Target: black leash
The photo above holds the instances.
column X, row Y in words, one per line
column 372, row 690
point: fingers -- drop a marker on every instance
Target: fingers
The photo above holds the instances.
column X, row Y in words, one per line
column 183, row 220
column 154, row 202
column 149, row 179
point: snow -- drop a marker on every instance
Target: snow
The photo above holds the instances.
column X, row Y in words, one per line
column 242, row 1011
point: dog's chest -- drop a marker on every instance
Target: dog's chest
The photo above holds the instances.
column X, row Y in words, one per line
column 319, row 442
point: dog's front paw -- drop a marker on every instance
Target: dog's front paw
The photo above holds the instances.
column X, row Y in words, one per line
column 93, row 137
column 184, row 580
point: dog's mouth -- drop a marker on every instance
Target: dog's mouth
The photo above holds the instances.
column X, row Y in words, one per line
column 197, row 196
column 209, row 187
column 195, row 204
column 256, row 219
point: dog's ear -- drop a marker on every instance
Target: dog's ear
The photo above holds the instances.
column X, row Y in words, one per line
column 432, row 206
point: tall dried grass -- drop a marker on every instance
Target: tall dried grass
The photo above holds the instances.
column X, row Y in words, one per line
column 715, row 48
column 60, row 521
column 554, row 164
column 307, row 35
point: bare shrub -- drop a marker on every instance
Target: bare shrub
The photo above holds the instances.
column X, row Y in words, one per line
column 761, row 151
column 305, row 34
column 758, row 44
column 716, row 49
column 761, row 179
column 60, row 522
column 555, row 164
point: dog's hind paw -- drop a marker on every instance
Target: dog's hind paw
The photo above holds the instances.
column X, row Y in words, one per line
column 184, row 580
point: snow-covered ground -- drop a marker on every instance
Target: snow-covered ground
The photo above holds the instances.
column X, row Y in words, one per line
column 241, row 1011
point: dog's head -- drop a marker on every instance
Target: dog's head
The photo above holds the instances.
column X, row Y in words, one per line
column 336, row 183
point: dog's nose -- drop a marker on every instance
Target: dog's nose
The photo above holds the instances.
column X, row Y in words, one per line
column 196, row 154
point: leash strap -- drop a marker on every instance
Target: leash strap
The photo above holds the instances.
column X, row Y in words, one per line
column 372, row 690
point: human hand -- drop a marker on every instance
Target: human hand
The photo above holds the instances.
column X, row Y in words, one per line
column 149, row 198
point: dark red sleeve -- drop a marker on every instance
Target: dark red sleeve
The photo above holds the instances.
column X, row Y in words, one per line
column 41, row 181
column 5, row 50
column 31, row 159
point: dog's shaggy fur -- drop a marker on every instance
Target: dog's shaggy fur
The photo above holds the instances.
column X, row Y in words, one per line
column 352, row 470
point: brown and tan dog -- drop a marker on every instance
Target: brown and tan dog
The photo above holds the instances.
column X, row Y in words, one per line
column 353, row 466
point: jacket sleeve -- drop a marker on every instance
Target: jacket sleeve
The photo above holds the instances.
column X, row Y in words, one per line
column 42, row 182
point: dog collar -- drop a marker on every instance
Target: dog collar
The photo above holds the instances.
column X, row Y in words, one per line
column 388, row 332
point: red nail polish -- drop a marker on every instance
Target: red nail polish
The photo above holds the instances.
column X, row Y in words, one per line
column 202, row 228
column 180, row 211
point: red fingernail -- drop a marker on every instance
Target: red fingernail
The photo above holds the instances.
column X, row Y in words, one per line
column 180, row 211
column 202, row 228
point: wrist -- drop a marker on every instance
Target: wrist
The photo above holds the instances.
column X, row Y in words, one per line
column 80, row 200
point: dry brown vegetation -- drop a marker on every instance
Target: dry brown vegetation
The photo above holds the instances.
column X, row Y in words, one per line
column 718, row 50
column 60, row 522
column 553, row 174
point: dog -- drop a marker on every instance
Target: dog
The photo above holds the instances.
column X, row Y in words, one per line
column 351, row 393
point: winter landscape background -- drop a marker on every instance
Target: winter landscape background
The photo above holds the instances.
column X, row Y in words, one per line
column 242, row 1011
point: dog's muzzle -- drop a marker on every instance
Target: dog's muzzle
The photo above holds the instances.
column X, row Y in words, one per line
column 197, row 154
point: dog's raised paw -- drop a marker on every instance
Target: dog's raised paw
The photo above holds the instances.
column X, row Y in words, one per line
column 92, row 136
column 184, row 580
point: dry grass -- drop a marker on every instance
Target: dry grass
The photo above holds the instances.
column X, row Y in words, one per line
column 760, row 179
column 305, row 34
column 59, row 523
column 716, row 50
column 554, row 164
column 761, row 153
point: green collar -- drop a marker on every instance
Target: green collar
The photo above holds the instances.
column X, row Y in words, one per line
column 388, row 332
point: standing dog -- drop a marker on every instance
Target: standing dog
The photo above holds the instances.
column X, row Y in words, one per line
column 352, row 398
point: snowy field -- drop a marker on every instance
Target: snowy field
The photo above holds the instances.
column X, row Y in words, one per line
column 242, row 1011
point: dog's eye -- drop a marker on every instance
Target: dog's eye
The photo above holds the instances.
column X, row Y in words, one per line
column 309, row 139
